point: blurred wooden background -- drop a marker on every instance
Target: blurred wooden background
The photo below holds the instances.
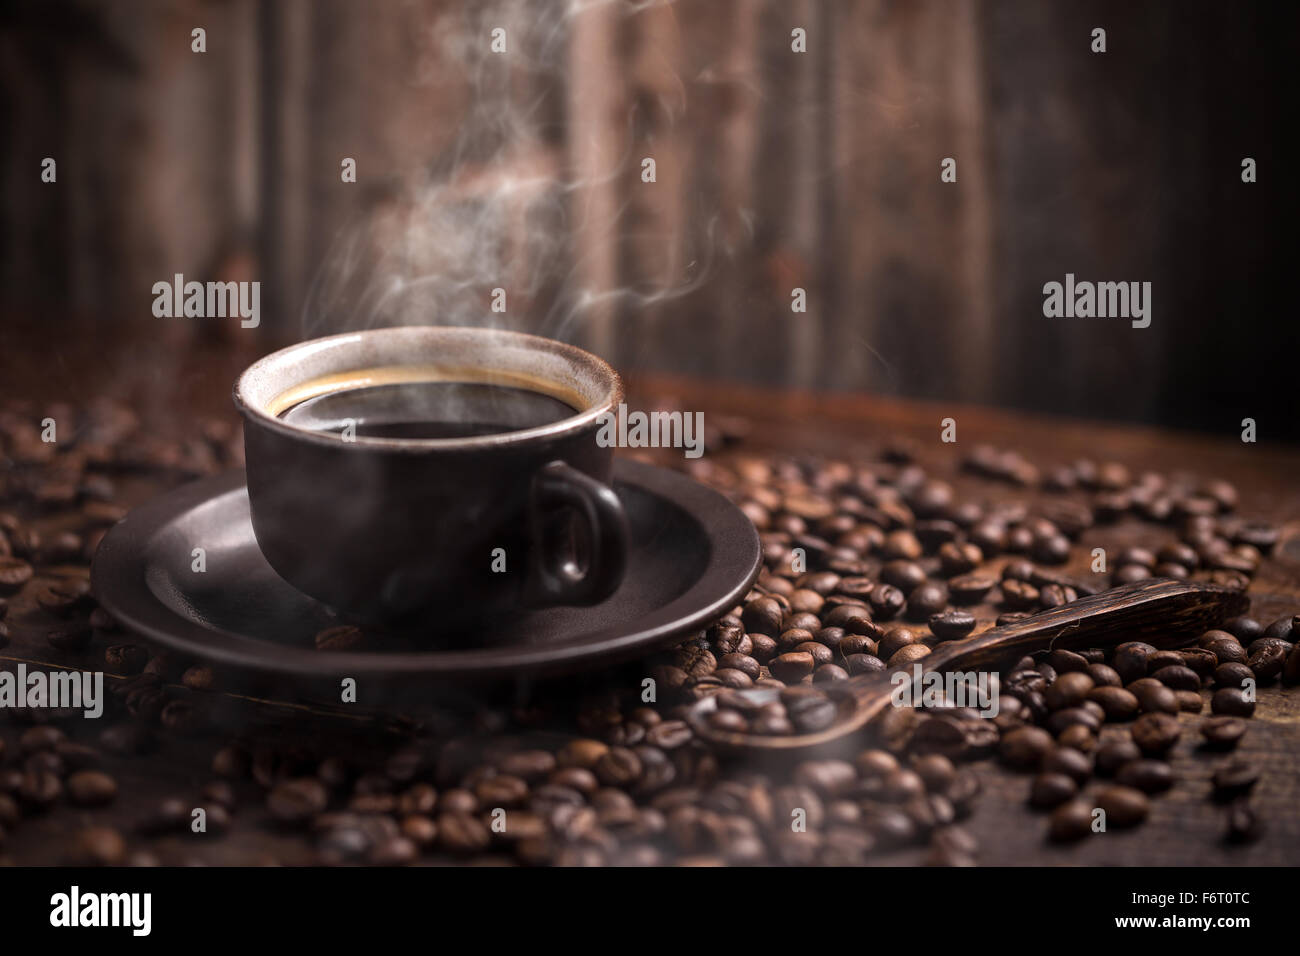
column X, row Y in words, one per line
column 774, row 170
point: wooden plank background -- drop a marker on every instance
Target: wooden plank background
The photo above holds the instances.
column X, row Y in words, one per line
column 774, row 170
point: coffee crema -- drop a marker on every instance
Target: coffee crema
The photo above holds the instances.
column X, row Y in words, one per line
column 423, row 402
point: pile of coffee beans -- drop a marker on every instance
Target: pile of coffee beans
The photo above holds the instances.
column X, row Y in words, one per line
column 868, row 566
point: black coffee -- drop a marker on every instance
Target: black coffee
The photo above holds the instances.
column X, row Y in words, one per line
column 428, row 410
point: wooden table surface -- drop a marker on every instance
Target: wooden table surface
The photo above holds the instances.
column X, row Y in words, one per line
column 173, row 384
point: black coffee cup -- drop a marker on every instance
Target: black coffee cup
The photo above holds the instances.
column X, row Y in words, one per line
column 462, row 527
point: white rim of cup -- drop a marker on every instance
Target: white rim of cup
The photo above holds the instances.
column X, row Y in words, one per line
column 609, row 380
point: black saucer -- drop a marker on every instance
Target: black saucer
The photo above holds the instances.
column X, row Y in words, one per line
column 694, row 555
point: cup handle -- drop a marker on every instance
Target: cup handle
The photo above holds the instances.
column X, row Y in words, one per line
column 557, row 487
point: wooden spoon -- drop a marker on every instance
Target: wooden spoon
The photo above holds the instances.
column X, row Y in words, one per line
column 1162, row 612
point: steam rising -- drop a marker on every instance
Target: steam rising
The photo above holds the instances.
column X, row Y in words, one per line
column 517, row 202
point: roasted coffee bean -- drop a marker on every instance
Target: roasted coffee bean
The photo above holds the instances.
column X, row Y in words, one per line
column 852, row 618
column 1178, row 553
column 1149, row 776
column 669, row 735
column 127, row 739
column 959, row 558
column 1079, row 737
column 1262, row 642
column 1232, row 702
column 1223, row 646
column 1291, row 669
column 9, row 812
column 1067, row 662
column 1103, row 675
column 1189, row 701
column 97, row 846
column 1025, row 747
column 1156, row 733
column 1017, row 569
column 1114, row 754
column 936, row 771
column 1135, row 555
column 1011, row 617
column 39, row 789
column 864, row 664
column 1074, row 716
column 1234, row 779
column 296, row 801
column 65, row 598
column 619, row 767
column 1222, row 733
column 1074, row 763
column 857, row 644
column 927, row 601
column 1199, row 660
column 792, row 667
column 1153, row 696
column 70, row 637
column 126, row 659
column 886, row 602
column 1051, row 790
column 728, row 677
column 1019, row 595
column 1243, row 824
column 1051, row 549
column 829, row 672
column 763, row 648
column 763, row 616
column 820, row 653
column 696, row 660
column 792, row 638
column 231, row 761
column 75, row 756
column 504, row 790
column 461, row 834
column 1284, row 628
column 1244, row 629
column 811, row 713
column 91, row 788
column 14, row 573
column 902, row 545
column 895, row 640
column 905, row 575
column 1129, row 573
column 906, row 656
column 41, row 737
column 1267, row 662
column 1070, row 821
column 1068, row 690
column 1130, row 660
column 952, row 625
column 1118, row 703
column 969, row 588
column 830, row 778
column 1124, row 806
column 832, row 637
column 1177, row 677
